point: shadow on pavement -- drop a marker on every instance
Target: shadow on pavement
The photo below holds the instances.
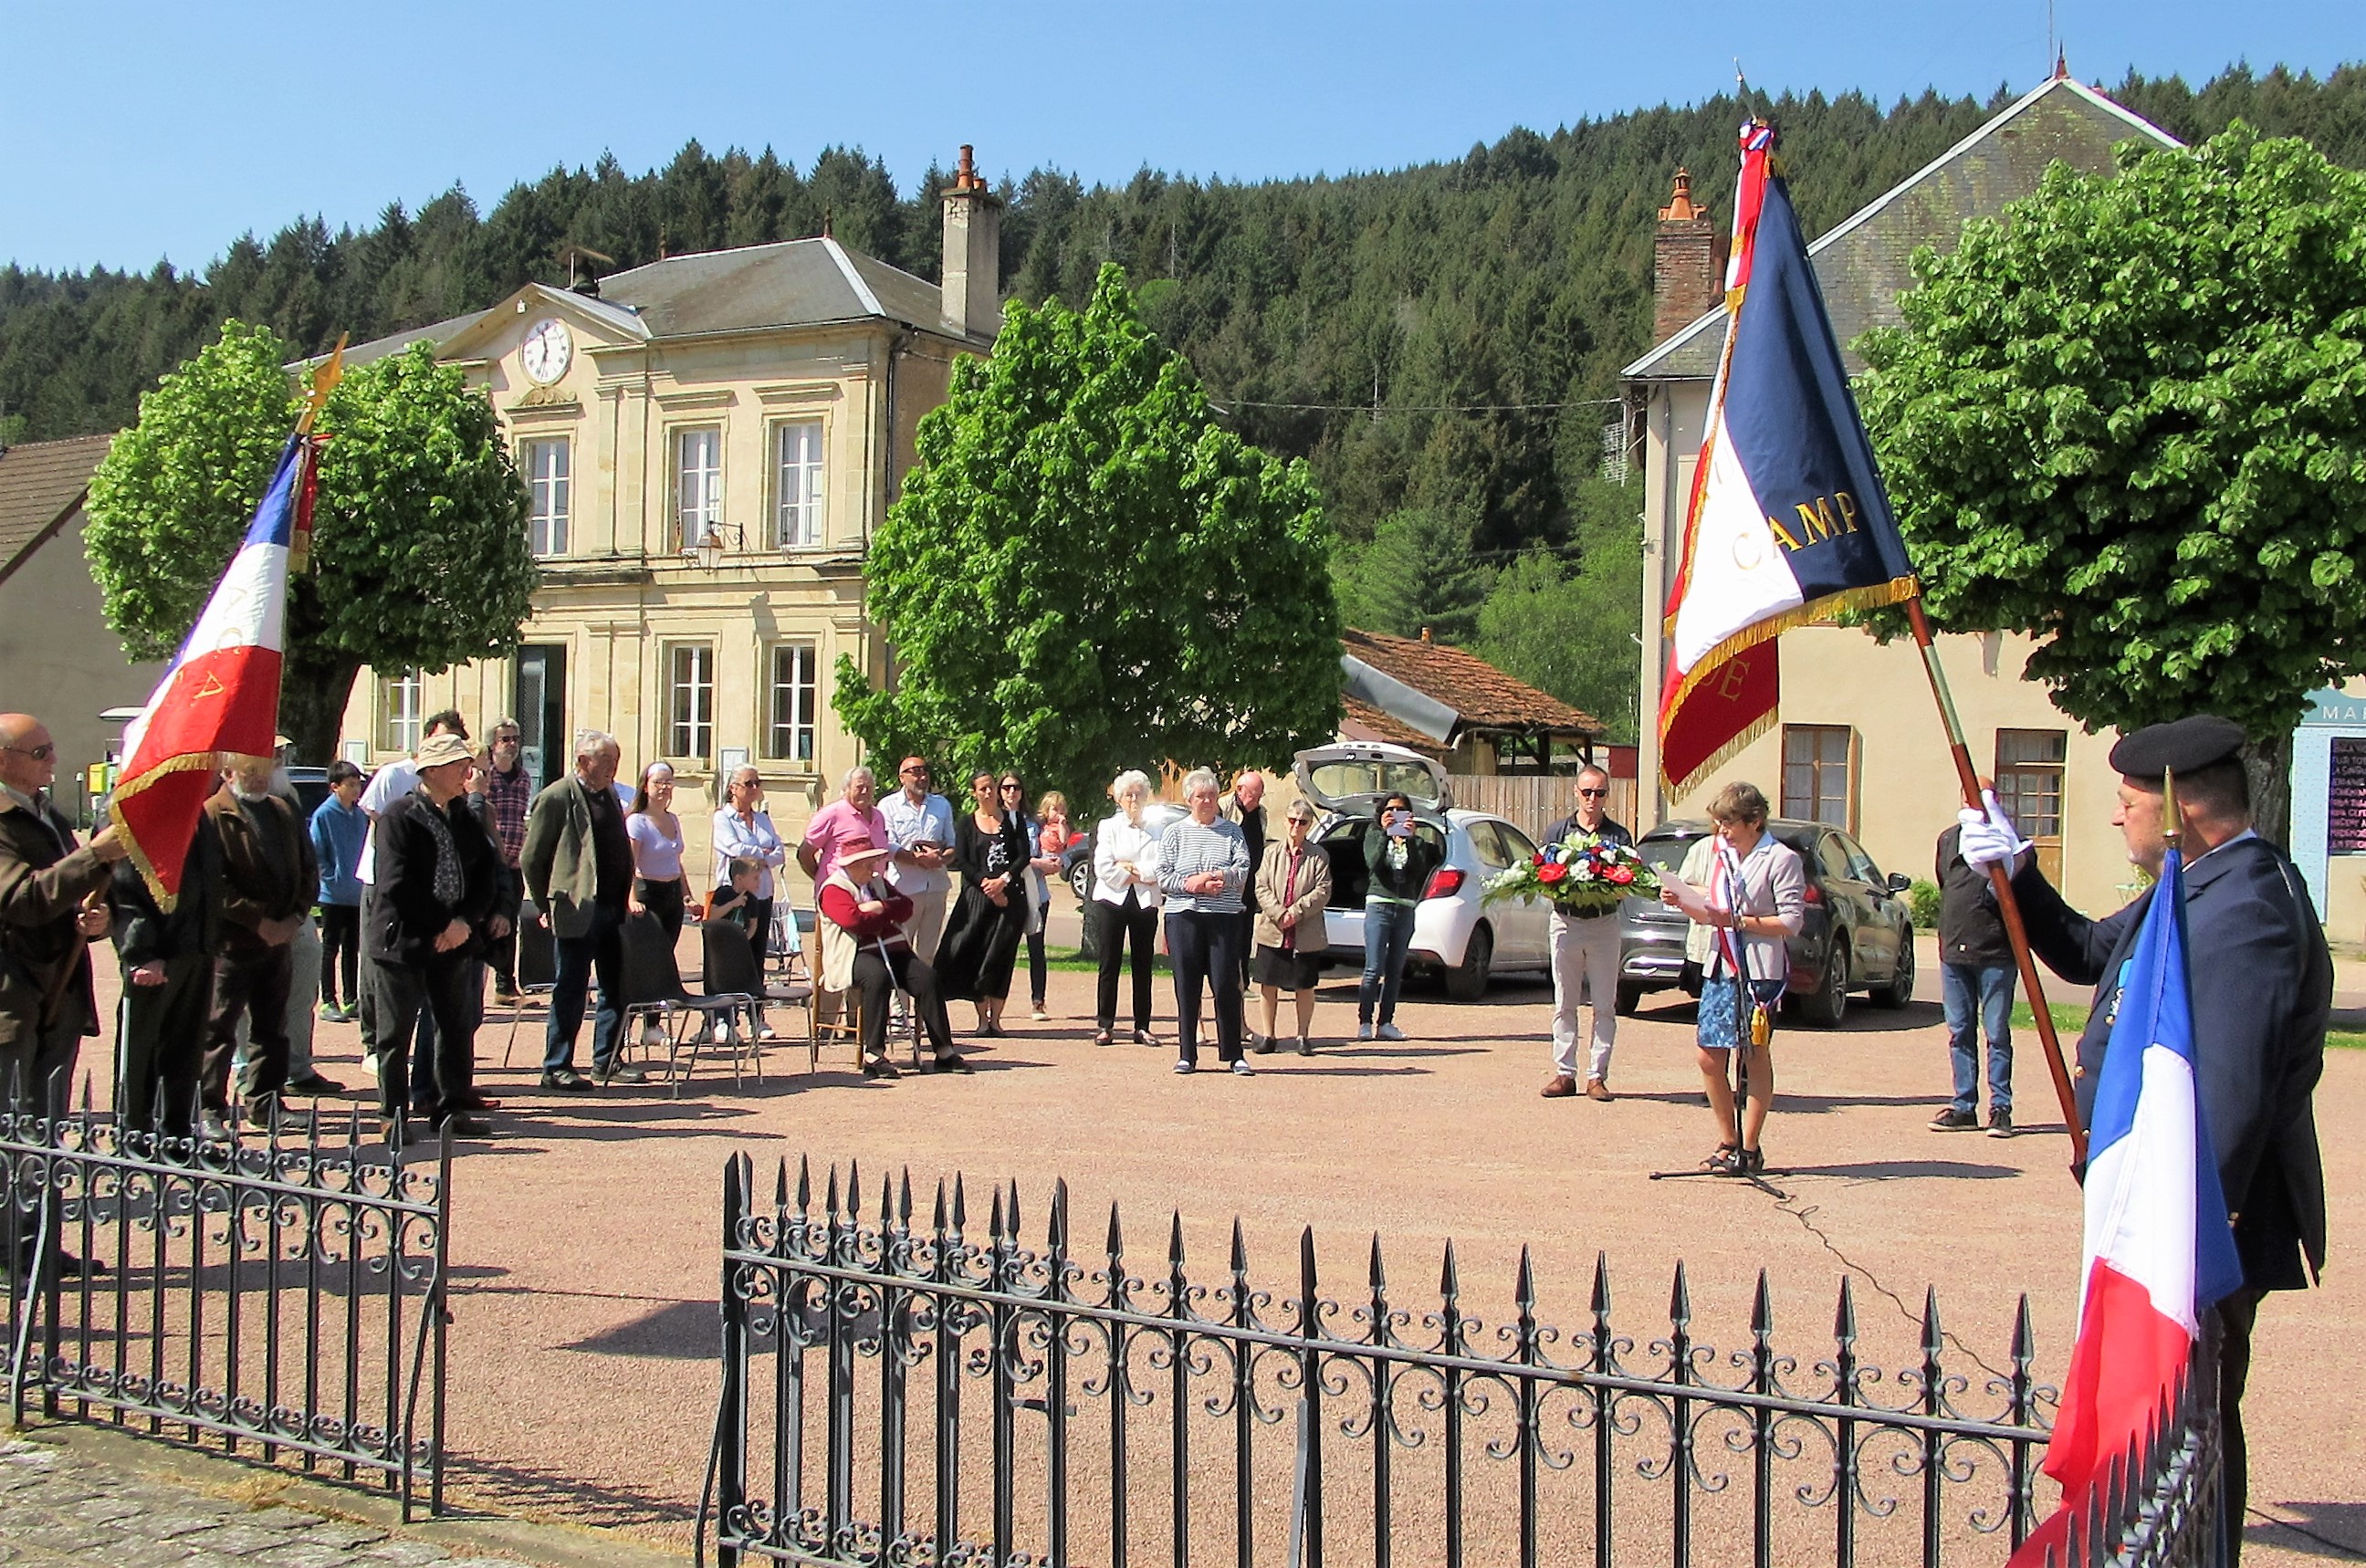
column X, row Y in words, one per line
column 526, row 1490
column 2337, row 1530
column 1903, row 1170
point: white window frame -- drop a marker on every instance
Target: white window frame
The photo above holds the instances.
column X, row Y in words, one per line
column 697, row 491
column 1818, row 766
column 798, row 484
column 402, row 701
column 802, row 694
column 690, row 700
column 549, row 465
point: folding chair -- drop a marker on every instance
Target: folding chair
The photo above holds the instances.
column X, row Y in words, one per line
column 537, row 974
column 730, row 968
column 654, row 993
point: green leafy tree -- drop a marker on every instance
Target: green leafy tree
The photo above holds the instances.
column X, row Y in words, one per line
column 418, row 549
column 1568, row 627
column 1085, row 573
column 2131, row 421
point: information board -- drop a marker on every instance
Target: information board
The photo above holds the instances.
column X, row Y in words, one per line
column 2344, row 798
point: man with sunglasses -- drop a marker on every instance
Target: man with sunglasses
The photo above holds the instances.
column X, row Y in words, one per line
column 920, row 835
column 49, row 913
column 1585, row 952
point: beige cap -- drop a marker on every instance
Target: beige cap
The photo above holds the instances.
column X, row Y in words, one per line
column 438, row 750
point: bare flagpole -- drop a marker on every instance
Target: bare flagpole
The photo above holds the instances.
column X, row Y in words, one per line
column 2001, row 882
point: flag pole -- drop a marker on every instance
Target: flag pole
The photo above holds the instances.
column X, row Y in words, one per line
column 2001, row 881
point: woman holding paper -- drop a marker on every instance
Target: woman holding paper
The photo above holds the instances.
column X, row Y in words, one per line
column 1748, row 893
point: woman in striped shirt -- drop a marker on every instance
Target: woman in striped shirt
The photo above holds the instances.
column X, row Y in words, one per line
column 1203, row 864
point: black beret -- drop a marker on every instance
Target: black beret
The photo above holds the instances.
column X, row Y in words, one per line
column 2182, row 745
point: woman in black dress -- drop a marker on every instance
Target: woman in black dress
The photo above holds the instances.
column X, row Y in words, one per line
column 981, row 944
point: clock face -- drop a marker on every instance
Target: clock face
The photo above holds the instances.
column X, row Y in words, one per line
column 547, row 350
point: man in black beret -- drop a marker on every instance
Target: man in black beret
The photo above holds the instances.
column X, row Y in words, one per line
column 2262, row 982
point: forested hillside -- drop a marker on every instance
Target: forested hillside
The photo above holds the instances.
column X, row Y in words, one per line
column 1437, row 341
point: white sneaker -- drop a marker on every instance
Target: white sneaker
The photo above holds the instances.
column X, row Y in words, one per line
column 652, row 1037
column 768, row 1032
column 1391, row 1032
column 723, row 1031
column 1363, row 1031
column 1242, row 1070
column 1185, row 1067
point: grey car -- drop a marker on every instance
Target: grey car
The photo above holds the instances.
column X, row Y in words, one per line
column 1858, row 934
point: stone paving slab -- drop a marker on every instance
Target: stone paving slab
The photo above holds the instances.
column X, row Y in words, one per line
column 80, row 1495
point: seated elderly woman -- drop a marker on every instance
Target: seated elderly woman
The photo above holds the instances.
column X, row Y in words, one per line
column 863, row 949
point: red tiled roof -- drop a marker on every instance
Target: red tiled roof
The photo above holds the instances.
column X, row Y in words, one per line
column 1361, row 721
column 40, row 482
column 1484, row 695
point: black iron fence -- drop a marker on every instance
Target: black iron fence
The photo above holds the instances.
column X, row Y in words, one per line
column 896, row 1393
column 279, row 1292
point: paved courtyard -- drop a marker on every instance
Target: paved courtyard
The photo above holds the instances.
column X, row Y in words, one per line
column 585, row 1233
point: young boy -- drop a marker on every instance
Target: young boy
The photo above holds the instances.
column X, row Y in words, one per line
column 734, row 905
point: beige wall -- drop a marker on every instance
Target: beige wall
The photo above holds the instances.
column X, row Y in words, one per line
column 59, row 662
column 624, row 596
column 1904, row 783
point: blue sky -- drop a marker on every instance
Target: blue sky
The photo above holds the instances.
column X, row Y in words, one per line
column 135, row 131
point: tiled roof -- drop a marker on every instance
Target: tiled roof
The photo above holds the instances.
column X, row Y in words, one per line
column 40, row 482
column 1362, row 721
column 1482, row 696
column 1864, row 263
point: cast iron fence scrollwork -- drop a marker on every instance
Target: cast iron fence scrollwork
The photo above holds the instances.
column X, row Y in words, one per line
column 279, row 1291
column 1299, row 1427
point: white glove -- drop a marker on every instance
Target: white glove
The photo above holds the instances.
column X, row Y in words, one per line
column 1989, row 836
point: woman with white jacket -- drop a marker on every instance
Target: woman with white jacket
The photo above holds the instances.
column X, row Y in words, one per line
column 1125, row 904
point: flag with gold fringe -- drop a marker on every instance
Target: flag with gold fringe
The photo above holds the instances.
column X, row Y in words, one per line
column 1788, row 522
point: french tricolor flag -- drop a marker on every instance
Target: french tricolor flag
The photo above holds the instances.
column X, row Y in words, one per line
column 2160, row 1250
column 221, row 693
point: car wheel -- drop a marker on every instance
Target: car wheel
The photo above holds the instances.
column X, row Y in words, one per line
column 1467, row 982
column 1830, row 1004
column 1080, row 877
column 1630, row 999
column 1900, row 990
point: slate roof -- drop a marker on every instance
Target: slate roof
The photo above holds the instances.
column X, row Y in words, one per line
column 41, row 482
column 789, row 282
column 1864, row 262
column 1481, row 696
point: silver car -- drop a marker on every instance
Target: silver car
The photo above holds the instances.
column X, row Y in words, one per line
column 1453, row 932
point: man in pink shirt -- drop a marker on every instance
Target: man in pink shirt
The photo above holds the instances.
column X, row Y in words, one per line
column 851, row 815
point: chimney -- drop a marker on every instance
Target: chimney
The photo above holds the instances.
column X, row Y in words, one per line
column 973, row 271
column 1687, row 263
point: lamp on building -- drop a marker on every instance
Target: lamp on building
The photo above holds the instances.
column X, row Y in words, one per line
column 711, row 541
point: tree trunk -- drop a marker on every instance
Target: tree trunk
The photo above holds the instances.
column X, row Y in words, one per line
column 313, row 687
column 2268, row 765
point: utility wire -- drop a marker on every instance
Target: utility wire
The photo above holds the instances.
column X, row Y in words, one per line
column 1228, row 404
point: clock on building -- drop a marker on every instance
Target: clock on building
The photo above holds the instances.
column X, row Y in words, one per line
column 547, row 350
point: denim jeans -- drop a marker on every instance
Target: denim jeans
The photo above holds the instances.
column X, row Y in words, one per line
column 1388, row 938
column 1989, row 988
column 601, row 949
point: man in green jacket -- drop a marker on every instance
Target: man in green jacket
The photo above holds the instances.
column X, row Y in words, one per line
column 579, row 871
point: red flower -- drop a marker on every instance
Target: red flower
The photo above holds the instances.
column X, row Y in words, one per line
column 1619, row 874
column 1548, row 875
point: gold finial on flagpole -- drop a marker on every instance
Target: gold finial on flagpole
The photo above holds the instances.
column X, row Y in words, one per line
column 325, row 377
column 2172, row 827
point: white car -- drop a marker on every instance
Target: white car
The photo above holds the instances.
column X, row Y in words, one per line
column 1451, row 931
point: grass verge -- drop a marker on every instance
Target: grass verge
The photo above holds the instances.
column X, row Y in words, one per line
column 2069, row 1019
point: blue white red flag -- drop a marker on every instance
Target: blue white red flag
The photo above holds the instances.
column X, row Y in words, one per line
column 2159, row 1250
column 222, row 692
column 1788, row 523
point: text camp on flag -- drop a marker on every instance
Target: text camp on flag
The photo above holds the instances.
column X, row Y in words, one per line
column 1787, row 521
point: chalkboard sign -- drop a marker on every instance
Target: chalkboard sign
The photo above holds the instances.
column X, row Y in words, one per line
column 2345, row 803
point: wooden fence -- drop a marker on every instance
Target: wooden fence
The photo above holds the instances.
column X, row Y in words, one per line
column 1533, row 801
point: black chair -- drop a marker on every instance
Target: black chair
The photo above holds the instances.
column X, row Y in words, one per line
column 654, row 993
column 537, row 974
column 730, row 969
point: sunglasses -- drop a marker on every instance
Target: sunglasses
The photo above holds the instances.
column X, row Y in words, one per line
column 44, row 752
column 1593, row 794
column 1016, row 786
